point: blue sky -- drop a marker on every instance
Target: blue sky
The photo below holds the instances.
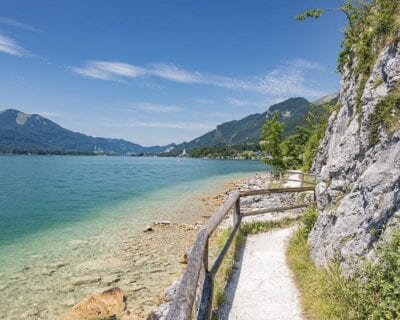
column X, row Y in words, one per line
column 158, row 71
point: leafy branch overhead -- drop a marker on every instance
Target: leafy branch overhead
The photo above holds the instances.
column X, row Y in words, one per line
column 348, row 8
column 315, row 13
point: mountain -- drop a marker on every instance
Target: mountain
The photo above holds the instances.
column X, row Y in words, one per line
column 292, row 112
column 29, row 132
column 329, row 99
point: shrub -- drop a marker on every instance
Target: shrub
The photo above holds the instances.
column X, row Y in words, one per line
column 372, row 293
column 386, row 116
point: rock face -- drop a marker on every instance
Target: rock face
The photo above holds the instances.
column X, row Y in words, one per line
column 109, row 304
column 360, row 201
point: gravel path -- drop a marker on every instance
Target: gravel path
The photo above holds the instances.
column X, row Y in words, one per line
column 261, row 287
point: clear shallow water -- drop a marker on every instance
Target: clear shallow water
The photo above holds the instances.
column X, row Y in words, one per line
column 40, row 195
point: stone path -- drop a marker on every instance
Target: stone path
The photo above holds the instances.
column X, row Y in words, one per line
column 261, row 287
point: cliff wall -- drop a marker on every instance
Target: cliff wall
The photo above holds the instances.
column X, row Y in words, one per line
column 359, row 202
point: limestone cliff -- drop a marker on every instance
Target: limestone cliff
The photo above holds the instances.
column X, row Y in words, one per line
column 359, row 202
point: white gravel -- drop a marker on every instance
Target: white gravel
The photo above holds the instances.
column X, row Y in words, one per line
column 261, row 287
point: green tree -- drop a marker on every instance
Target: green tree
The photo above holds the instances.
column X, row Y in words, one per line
column 318, row 123
column 293, row 148
column 271, row 140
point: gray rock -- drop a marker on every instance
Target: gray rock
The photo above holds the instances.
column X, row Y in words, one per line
column 363, row 192
column 161, row 311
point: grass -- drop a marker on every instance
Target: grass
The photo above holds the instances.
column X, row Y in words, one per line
column 385, row 116
column 223, row 274
column 265, row 226
column 372, row 293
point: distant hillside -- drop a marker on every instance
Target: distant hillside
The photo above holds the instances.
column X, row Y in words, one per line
column 292, row 112
column 27, row 132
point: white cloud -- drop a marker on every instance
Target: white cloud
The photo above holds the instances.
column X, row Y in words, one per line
column 109, row 70
column 237, row 102
column 9, row 46
column 173, row 125
column 158, row 108
column 292, row 78
column 190, row 126
column 288, row 79
column 17, row 24
column 173, row 73
column 305, row 64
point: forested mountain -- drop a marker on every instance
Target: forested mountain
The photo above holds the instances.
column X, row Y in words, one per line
column 21, row 132
column 31, row 132
column 292, row 112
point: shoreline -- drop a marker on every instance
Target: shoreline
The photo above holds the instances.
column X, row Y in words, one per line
column 142, row 264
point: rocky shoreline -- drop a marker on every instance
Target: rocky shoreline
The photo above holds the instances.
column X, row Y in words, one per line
column 52, row 281
column 129, row 270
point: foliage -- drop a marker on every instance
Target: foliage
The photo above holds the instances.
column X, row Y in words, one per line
column 293, row 148
column 385, row 116
column 265, row 226
column 313, row 13
column 226, row 151
column 372, row 293
column 222, row 276
column 378, row 286
column 271, row 141
column 372, row 26
column 298, row 150
column 318, row 123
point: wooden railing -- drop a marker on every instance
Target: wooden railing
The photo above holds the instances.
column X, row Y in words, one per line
column 194, row 294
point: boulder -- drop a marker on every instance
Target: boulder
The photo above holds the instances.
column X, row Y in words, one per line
column 109, row 304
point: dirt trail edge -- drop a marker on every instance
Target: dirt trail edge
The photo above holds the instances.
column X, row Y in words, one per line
column 261, row 286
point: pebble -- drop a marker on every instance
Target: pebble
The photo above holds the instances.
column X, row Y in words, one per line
column 148, row 229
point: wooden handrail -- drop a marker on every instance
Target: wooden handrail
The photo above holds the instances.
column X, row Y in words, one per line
column 274, row 190
column 191, row 283
column 279, row 209
column 182, row 306
column 214, row 221
column 296, row 172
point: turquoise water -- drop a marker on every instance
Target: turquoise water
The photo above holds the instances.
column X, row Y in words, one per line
column 67, row 218
column 40, row 193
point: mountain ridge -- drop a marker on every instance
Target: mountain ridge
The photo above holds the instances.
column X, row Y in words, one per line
column 30, row 132
column 292, row 112
column 23, row 132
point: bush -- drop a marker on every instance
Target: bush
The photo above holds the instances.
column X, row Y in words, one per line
column 386, row 116
column 372, row 293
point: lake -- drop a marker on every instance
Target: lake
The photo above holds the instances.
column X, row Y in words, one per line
column 60, row 215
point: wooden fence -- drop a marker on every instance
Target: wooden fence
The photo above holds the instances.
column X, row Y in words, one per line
column 194, row 294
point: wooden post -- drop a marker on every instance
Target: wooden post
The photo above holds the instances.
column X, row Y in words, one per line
column 205, row 257
column 181, row 308
column 236, row 212
column 214, row 221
